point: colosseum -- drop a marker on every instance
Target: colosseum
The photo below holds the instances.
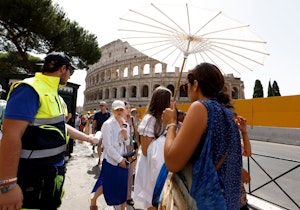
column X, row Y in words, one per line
column 126, row 74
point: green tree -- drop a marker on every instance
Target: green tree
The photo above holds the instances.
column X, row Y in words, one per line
column 12, row 63
column 37, row 26
column 258, row 90
column 275, row 89
column 270, row 90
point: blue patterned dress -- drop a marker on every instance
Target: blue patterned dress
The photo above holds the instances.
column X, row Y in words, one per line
column 225, row 143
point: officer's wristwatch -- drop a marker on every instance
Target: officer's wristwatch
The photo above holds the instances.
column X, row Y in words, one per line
column 5, row 189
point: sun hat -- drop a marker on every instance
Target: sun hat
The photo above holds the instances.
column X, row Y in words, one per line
column 117, row 104
column 134, row 111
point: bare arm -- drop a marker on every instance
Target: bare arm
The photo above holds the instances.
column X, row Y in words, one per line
column 180, row 147
column 145, row 141
column 11, row 145
column 75, row 134
column 94, row 126
column 10, row 151
column 242, row 125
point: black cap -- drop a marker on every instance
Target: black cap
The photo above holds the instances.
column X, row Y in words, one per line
column 56, row 59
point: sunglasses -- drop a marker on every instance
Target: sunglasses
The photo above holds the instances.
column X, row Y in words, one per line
column 71, row 70
column 134, row 112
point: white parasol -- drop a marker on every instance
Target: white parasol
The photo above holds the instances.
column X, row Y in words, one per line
column 185, row 35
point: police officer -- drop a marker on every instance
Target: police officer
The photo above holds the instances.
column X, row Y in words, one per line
column 35, row 135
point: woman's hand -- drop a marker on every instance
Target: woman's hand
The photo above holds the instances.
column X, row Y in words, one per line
column 241, row 123
column 246, row 178
column 123, row 163
column 170, row 114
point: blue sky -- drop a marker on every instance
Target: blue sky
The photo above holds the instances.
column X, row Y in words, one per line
column 276, row 22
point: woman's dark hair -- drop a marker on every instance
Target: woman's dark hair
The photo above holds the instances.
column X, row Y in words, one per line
column 160, row 100
column 210, row 81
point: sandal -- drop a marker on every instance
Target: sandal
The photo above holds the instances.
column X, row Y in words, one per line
column 130, row 202
column 93, row 207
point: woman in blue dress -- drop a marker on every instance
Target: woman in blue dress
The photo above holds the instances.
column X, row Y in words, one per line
column 208, row 126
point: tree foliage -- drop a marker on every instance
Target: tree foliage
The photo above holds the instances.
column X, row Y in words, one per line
column 39, row 27
column 258, row 90
column 275, row 89
column 270, row 90
column 11, row 63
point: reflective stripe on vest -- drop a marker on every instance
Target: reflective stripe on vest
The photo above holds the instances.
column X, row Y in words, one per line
column 47, row 121
column 31, row 154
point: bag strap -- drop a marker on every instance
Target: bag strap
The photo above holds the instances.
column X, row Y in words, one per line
column 134, row 131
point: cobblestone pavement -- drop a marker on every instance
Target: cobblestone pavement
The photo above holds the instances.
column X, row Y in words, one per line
column 82, row 173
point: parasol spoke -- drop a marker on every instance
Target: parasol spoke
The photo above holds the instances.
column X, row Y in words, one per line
column 224, row 61
column 210, row 59
column 240, row 47
column 155, row 47
column 168, row 46
column 238, row 40
column 146, row 32
column 148, row 37
column 159, row 22
column 207, row 23
column 196, row 59
column 236, row 61
column 182, row 30
column 162, row 50
column 238, row 54
column 176, row 59
column 225, row 29
column 154, row 42
column 146, row 24
column 188, row 17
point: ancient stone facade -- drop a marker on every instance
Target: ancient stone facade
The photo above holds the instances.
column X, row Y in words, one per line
column 126, row 74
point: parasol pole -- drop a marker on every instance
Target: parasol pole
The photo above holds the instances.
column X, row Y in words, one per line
column 179, row 78
column 182, row 67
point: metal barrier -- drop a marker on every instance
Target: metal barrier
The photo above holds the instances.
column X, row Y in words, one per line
column 272, row 179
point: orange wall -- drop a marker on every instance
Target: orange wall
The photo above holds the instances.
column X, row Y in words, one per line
column 279, row 111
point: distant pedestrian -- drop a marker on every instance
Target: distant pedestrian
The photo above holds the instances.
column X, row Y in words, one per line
column 77, row 121
column 130, row 148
